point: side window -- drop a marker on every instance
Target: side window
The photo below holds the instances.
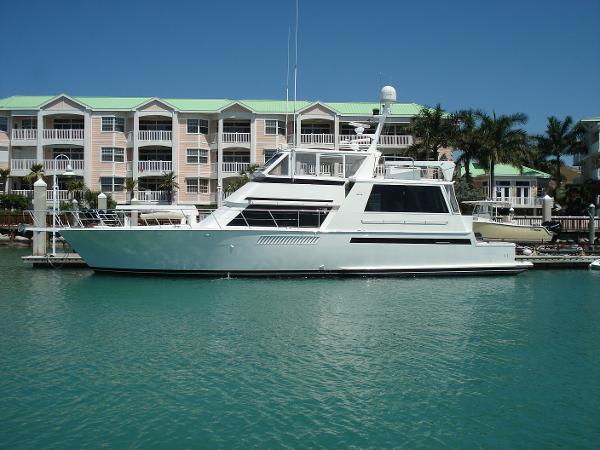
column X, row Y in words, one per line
column 403, row 198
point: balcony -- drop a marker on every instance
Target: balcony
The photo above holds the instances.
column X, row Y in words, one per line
column 154, row 167
column 20, row 167
column 236, row 138
column 389, row 141
column 162, row 136
column 63, row 194
column 153, row 196
column 63, row 135
column 24, row 136
column 231, row 167
column 522, row 202
column 317, row 139
column 60, row 165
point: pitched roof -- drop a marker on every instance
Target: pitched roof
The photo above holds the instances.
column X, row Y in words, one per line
column 591, row 119
column 210, row 105
column 506, row 170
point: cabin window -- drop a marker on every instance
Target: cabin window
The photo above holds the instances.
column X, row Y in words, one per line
column 281, row 216
column 197, row 126
column 452, row 197
column 403, row 198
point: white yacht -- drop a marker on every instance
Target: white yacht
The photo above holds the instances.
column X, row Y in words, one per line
column 311, row 211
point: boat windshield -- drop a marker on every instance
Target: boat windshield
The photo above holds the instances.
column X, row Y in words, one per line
column 308, row 164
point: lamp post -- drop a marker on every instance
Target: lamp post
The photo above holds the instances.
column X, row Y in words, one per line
column 55, row 206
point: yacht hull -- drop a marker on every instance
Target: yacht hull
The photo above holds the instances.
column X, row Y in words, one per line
column 294, row 253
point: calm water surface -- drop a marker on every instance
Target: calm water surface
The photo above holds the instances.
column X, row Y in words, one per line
column 93, row 361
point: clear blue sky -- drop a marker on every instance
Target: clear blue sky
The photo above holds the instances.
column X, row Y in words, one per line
column 541, row 58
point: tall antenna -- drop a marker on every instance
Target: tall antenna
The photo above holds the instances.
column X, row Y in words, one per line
column 287, row 85
column 293, row 153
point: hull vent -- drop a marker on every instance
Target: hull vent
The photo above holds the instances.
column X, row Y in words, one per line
column 287, row 240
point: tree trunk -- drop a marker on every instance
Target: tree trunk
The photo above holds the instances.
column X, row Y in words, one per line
column 492, row 188
column 558, row 176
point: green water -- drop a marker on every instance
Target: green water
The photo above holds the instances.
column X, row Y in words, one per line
column 92, row 361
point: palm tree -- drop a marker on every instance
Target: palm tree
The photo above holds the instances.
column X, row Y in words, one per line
column 433, row 129
column 501, row 142
column 77, row 187
column 561, row 138
column 130, row 185
column 467, row 138
column 169, row 184
column 36, row 172
column 4, row 174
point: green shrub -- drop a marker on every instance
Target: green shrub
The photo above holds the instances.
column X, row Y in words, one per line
column 12, row 201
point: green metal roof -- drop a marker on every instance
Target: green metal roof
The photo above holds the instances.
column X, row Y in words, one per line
column 591, row 119
column 210, row 105
column 505, row 170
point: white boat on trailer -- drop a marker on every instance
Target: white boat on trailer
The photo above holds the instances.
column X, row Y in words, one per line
column 310, row 212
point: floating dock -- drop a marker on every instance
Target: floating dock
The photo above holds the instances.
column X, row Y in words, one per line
column 60, row 260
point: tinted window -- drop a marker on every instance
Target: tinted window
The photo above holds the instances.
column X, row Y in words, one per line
column 400, row 198
column 280, row 216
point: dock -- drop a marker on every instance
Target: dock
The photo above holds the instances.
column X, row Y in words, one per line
column 559, row 261
column 61, row 260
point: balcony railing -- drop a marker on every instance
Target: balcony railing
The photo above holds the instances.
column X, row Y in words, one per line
column 322, row 139
column 22, row 192
column 233, row 167
column 155, row 166
column 153, row 196
column 60, row 165
column 63, row 194
column 24, row 134
column 236, row 138
column 522, row 202
column 22, row 164
column 63, row 135
column 155, row 135
column 393, row 140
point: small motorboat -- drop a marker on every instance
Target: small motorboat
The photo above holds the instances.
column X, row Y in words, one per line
column 492, row 227
column 595, row 265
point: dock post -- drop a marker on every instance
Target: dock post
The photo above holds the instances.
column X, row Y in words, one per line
column 39, row 217
column 547, row 203
column 592, row 214
column 102, row 202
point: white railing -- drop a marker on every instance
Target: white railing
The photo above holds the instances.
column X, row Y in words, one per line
column 22, row 192
column 317, row 139
column 395, row 140
column 154, row 135
column 22, row 164
column 525, row 202
column 155, row 166
column 236, row 138
column 234, row 167
column 63, row 195
column 60, row 165
column 24, row 134
column 431, row 173
column 153, row 196
column 63, row 135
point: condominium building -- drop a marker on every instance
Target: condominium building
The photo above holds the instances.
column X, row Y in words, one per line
column 590, row 161
column 204, row 142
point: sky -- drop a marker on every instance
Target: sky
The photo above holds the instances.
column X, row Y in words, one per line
column 540, row 58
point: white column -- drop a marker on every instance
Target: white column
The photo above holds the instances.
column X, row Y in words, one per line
column 136, row 152
column 39, row 154
column 253, row 140
column 39, row 217
column 298, row 129
column 220, row 163
column 336, row 133
column 175, row 143
column 87, row 148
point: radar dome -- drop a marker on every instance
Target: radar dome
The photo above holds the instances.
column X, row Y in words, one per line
column 388, row 94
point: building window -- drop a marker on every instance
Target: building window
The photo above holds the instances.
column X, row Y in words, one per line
column 110, row 123
column 29, row 124
column 196, row 185
column 401, row 198
column 236, row 156
column 197, row 126
column 3, row 123
column 73, row 153
column 196, row 156
column 269, row 153
column 111, row 184
column 68, row 124
column 316, row 128
column 112, row 154
column 156, row 125
column 273, row 127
